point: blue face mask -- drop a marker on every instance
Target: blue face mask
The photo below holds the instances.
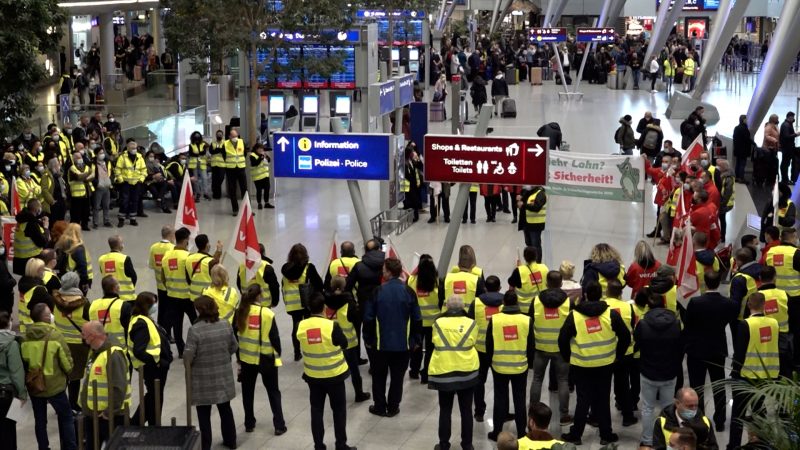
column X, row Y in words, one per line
column 688, row 414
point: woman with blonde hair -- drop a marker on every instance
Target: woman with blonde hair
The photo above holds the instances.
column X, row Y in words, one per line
column 227, row 298
column 32, row 292
column 568, row 283
column 74, row 256
column 466, row 279
column 604, row 263
column 642, row 269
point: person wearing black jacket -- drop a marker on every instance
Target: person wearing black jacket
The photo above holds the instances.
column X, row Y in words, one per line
column 788, row 150
column 365, row 277
column 7, row 283
column 704, row 321
column 336, row 301
column 658, row 339
column 412, row 182
column 478, row 93
column 592, row 382
column 529, row 210
column 501, row 380
column 267, row 278
column 499, row 91
column 742, row 147
column 297, row 263
column 684, row 412
column 139, row 341
column 491, row 300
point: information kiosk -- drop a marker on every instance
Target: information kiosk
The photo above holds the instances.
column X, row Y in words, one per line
column 413, row 59
column 309, row 112
column 341, row 109
column 276, row 112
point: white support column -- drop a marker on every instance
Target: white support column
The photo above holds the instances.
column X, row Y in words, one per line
column 106, row 47
column 713, row 55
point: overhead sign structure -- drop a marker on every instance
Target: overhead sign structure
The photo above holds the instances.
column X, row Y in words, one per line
column 332, row 156
column 594, row 34
column 405, row 90
column 694, row 5
column 382, row 97
column 486, row 160
column 545, row 35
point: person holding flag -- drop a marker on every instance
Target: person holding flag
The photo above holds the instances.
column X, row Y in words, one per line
column 265, row 277
column 186, row 216
column 342, row 265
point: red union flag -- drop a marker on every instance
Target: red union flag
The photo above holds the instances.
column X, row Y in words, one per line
column 692, row 153
column 15, row 206
column 688, row 283
column 186, row 215
column 244, row 242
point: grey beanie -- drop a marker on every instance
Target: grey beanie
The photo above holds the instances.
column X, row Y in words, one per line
column 70, row 280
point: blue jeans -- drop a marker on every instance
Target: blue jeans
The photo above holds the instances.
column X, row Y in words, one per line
column 654, row 394
column 66, row 421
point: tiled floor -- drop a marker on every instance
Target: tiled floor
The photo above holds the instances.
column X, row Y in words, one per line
column 309, row 211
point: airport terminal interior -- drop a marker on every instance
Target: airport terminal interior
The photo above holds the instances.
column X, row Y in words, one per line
column 316, row 211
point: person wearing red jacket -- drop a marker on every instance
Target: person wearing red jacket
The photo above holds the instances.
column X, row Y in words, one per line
column 642, row 269
column 704, row 218
column 658, row 175
column 714, row 196
column 772, row 236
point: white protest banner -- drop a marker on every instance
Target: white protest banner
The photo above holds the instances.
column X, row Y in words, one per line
column 607, row 177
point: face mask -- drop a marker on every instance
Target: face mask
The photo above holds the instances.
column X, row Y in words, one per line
column 697, row 122
column 151, row 159
column 95, row 146
column 688, row 414
column 8, row 167
column 27, row 174
column 27, row 136
column 101, row 156
column 234, row 140
column 112, row 120
column 686, row 186
column 82, row 152
column 22, row 147
column 2, row 250
column 704, row 163
column 153, row 312
column 40, row 169
column 68, row 131
column 183, row 162
column 664, row 167
column 79, row 163
column 52, row 319
column 132, row 152
column 219, row 137
column 56, row 138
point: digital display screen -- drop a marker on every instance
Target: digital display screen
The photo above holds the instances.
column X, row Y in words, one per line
column 310, row 104
column 263, row 78
column 395, row 54
column 275, row 122
column 312, row 80
column 413, row 54
column 291, row 79
column 346, row 79
column 342, row 105
column 694, row 5
column 407, row 32
column 276, row 104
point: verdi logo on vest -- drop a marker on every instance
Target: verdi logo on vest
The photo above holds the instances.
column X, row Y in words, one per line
column 460, row 287
column 173, row 264
column 422, row 293
column 766, row 334
column 777, row 260
column 536, row 277
column 510, row 333
column 110, row 267
column 593, row 325
column 342, row 271
column 157, row 259
column 254, row 322
column 98, row 370
column 771, row 306
column 314, row 336
column 551, row 313
column 330, row 313
column 490, row 311
column 104, row 315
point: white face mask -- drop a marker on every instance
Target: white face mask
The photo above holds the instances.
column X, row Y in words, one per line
column 2, row 250
column 52, row 319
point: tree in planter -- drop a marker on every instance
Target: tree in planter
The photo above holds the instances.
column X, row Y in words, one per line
column 204, row 32
column 36, row 30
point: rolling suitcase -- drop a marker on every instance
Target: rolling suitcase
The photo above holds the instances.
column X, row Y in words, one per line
column 508, row 108
column 437, row 112
column 512, row 74
column 536, row 76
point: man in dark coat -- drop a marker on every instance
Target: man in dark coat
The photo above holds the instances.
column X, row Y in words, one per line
column 742, row 146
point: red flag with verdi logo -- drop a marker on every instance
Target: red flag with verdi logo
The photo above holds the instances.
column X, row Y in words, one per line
column 244, row 243
column 15, row 206
column 186, row 216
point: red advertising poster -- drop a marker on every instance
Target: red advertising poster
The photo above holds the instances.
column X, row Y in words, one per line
column 696, row 28
column 9, row 226
column 486, row 160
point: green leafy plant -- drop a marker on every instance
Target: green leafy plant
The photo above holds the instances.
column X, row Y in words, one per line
column 779, row 425
column 34, row 29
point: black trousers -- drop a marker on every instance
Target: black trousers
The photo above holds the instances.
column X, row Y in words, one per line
column 177, row 308
column 217, row 177
column 152, row 372
column 336, row 393
column 262, row 189
column 533, row 237
column 269, row 376
column 622, row 385
column 444, row 202
column 79, row 211
column 426, row 347
column 351, row 355
column 789, row 157
column 8, row 427
column 473, row 200
column 490, row 204
column 518, row 385
column 480, row 388
column 715, row 368
column 297, row 317
column 163, row 318
column 128, row 199
column 388, row 364
column 227, row 424
column 593, row 386
column 102, row 430
column 236, row 178
column 446, row 399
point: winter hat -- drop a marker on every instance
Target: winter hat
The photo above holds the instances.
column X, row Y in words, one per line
column 69, row 284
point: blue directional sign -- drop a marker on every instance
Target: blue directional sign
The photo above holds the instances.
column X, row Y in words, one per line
column 545, row 35
column 382, row 97
column 405, row 90
column 332, row 156
column 595, row 34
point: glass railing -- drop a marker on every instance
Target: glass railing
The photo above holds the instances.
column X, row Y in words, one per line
column 161, row 84
column 172, row 132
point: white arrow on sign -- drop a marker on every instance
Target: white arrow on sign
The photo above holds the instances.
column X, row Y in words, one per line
column 538, row 150
column 282, row 142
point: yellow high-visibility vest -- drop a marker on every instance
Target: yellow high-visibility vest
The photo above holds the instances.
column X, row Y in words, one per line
column 595, row 344
column 453, row 347
column 702, row 269
column 71, row 264
column 667, row 433
column 234, row 155
column 174, row 265
column 342, row 266
column 77, row 187
column 227, row 300
column 23, row 245
column 532, row 278
column 463, row 284
column 510, row 338
column 762, row 358
column 340, row 316
column 776, row 306
column 604, row 281
column 28, row 190
column 197, row 156
column 252, row 344
column 112, row 264
column 782, row 213
column 291, row 291
column 108, row 311
column 198, row 272
column 781, row 257
column 23, row 312
column 153, row 345
column 483, row 314
column 535, row 217
column 525, row 443
column 752, row 287
column 157, row 252
column 258, row 279
column 547, row 323
column 625, row 310
column 428, row 302
column 217, row 159
column 98, row 371
column 258, row 169
column 69, row 325
column 321, row 358
column 130, row 172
